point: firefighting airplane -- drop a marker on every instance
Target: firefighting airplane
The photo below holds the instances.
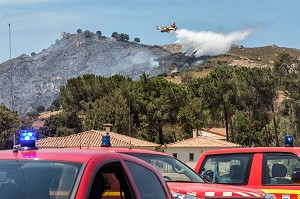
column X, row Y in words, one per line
column 171, row 28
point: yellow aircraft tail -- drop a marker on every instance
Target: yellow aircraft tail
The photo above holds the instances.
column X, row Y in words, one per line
column 173, row 25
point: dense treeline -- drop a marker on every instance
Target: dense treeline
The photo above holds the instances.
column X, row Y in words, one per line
column 256, row 105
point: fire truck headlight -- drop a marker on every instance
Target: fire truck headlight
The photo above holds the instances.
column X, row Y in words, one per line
column 270, row 196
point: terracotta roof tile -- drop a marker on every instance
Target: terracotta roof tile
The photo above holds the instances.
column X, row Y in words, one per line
column 203, row 141
column 216, row 131
column 92, row 139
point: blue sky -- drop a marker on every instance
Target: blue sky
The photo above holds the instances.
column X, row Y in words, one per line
column 36, row 24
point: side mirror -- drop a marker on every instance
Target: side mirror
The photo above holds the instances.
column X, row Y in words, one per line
column 296, row 176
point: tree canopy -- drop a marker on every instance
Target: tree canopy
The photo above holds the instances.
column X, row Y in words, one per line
column 9, row 125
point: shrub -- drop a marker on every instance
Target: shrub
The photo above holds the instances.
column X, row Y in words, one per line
column 114, row 34
column 87, row 34
column 56, row 103
column 122, row 37
column 32, row 114
column 99, row 33
column 51, row 108
column 40, row 109
column 137, row 40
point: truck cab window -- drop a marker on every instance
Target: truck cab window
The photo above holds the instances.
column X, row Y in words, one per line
column 227, row 169
column 278, row 168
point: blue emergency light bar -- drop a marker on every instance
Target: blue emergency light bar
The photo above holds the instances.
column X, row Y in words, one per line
column 27, row 139
column 105, row 142
column 289, row 141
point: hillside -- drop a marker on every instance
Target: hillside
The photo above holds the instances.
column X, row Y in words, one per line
column 237, row 56
column 27, row 82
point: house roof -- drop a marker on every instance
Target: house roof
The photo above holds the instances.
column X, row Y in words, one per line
column 203, row 141
column 217, row 131
column 92, row 139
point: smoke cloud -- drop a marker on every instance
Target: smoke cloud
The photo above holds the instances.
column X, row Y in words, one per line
column 208, row 43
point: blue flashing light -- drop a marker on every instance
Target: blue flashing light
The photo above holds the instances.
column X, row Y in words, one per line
column 289, row 141
column 27, row 139
column 105, row 142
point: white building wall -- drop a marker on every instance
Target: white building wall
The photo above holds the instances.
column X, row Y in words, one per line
column 183, row 153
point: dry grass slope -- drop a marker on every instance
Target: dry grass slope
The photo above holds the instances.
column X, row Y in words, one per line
column 237, row 56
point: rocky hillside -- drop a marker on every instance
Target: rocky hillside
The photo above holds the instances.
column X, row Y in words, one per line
column 27, row 82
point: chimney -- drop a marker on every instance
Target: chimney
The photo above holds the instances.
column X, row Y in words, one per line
column 195, row 133
column 107, row 127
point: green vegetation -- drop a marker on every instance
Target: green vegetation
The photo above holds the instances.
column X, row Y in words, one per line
column 9, row 123
column 114, row 34
column 79, row 31
column 137, row 40
column 40, row 109
column 99, row 33
column 256, row 105
column 122, row 37
column 33, row 114
column 87, row 34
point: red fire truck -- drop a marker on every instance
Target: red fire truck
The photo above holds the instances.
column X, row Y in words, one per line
column 274, row 170
column 27, row 172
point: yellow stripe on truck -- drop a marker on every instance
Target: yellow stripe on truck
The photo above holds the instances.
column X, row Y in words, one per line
column 281, row 191
column 112, row 193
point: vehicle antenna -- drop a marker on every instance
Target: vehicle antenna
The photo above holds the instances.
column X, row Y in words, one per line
column 11, row 70
column 9, row 41
column 15, row 149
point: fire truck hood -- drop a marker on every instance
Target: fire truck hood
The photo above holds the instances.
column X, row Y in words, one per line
column 217, row 190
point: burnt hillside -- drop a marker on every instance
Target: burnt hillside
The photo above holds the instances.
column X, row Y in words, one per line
column 27, row 82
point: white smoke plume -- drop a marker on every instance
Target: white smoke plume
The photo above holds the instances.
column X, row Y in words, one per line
column 208, row 43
